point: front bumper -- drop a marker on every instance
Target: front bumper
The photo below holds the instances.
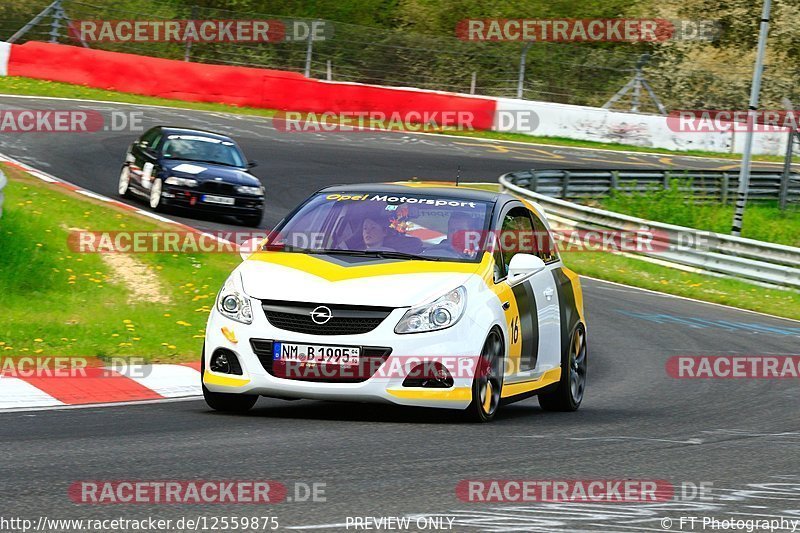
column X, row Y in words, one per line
column 456, row 348
column 189, row 198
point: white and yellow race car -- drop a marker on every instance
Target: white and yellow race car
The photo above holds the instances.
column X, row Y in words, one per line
column 416, row 294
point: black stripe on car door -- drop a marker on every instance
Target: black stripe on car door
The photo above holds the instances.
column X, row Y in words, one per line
column 529, row 325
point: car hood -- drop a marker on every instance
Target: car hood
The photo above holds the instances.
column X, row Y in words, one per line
column 340, row 279
column 205, row 171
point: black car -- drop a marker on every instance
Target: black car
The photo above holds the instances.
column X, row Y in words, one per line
column 193, row 169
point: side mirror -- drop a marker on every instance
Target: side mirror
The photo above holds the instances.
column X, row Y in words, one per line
column 249, row 247
column 522, row 267
column 252, row 163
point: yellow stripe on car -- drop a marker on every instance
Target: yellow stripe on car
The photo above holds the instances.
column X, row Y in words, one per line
column 225, row 381
column 548, row 378
column 454, row 394
column 331, row 271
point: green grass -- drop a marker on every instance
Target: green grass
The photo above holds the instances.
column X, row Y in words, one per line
column 56, row 301
column 763, row 220
column 722, row 290
column 32, row 87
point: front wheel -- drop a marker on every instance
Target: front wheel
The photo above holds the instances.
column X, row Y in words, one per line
column 219, row 401
column 123, row 186
column 252, row 221
column 156, row 189
column 488, row 382
column 229, row 403
column 569, row 393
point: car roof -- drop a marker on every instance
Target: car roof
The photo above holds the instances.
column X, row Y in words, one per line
column 170, row 130
column 463, row 191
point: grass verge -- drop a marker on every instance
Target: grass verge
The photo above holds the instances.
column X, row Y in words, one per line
column 33, row 87
column 721, row 290
column 56, row 301
column 763, row 221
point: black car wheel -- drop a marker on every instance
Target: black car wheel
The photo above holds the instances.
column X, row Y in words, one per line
column 219, row 401
column 124, row 181
column 252, row 221
column 572, row 386
column 488, row 383
column 156, row 188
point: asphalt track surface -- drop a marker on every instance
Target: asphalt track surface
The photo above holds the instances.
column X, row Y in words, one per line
column 742, row 436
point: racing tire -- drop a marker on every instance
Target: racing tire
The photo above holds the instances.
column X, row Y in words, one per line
column 220, row 401
column 155, row 200
column 488, row 382
column 252, row 221
column 229, row 403
column 569, row 393
column 124, row 183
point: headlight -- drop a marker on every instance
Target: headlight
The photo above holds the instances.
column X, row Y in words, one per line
column 439, row 314
column 186, row 182
column 233, row 303
column 246, row 189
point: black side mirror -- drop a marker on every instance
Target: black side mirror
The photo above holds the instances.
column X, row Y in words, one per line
column 252, row 163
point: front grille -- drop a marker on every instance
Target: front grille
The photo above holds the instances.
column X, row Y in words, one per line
column 346, row 319
column 372, row 357
column 218, row 187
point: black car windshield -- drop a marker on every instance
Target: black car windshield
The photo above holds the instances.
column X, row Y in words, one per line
column 387, row 225
column 203, row 149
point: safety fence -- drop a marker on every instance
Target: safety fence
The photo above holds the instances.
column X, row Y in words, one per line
column 713, row 185
column 742, row 258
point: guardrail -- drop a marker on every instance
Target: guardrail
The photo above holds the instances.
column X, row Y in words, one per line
column 3, row 182
column 749, row 259
column 712, row 184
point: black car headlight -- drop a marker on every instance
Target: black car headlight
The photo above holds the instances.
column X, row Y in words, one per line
column 247, row 189
column 185, row 182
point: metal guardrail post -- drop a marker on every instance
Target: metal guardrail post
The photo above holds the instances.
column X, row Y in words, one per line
column 614, row 181
column 565, row 185
column 724, row 187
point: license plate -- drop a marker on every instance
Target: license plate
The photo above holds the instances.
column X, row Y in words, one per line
column 311, row 353
column 211, row 199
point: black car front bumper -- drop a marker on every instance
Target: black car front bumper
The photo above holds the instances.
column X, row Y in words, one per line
column 188, row 198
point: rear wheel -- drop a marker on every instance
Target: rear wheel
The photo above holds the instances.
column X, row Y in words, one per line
column 488, row 382
column 569, row 393
column 220, row 401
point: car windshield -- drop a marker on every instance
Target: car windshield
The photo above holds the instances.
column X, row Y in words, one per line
column 388, row 225
column 202, row 149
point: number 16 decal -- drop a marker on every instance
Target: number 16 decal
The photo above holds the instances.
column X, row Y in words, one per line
column 515, row 330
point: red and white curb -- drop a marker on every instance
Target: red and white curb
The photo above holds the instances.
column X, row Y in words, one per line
column 101, row 386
